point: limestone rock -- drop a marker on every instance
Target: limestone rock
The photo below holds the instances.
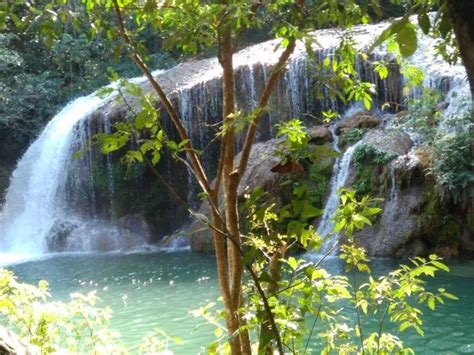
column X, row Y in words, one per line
column 201, row 235
column 397, row 231
column 398, row 226
column 97, row 235
column 358, row 120
column 396, row 142
column 136, row 224
column 57, row 240
column 262, row 159
column 320, row 135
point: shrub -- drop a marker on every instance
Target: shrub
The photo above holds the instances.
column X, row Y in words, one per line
column 351, row 136
column 453, row 164
column 423, row 114
column 78, row 326
column 366, row 154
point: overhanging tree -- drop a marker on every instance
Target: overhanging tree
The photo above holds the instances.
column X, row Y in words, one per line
column 192, row 25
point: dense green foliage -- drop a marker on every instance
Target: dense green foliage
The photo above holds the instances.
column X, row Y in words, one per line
column 78, row 326
column 351, row 136
column 37, row 78
column 304, row 295
column 453, row 165
column 366, row 158
column 446, row 142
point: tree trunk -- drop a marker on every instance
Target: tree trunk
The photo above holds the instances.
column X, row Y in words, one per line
column 231, row 182
column 461, row 14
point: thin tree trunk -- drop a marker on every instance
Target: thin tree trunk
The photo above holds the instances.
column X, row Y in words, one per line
column 231, row 184
column 231, row 319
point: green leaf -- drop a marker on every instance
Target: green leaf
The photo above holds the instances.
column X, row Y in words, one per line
column 424, row 22
column 309, row 211
column 450, row 296
column 440, row 265
column 155, row 158
column 367, row 103
column 394, row 28
column 140, row 120
column 292, row 263
column 407, row 40
column 431, row 303
column 218, row 332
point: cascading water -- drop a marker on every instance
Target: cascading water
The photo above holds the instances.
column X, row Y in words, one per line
column 340, row 173
column 34, row 199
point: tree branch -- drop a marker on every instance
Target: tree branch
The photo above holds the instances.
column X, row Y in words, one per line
column 172, row 112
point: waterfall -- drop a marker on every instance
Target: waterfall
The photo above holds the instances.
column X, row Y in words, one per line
column 339, row 176
column 393, row 183
column 34, row 199
column 340, row 172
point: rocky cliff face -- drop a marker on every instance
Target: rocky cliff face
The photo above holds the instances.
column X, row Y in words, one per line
column 416, row 219
column 99, row 186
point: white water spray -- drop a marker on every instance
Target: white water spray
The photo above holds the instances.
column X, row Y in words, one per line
column 338, row 180
column 34, row 200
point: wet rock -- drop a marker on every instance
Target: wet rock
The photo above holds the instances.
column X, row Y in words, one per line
column 97, row 235
column 415, row 248
column 201, row 236
column 178, row 239
column 415, row 219
column 320, row 135
column 102, row 236
column 60, row 232
column 389, row 141
column 136, row 224
column 358, row 120
column 397, row 228
column 447, row 251
column 262, row 160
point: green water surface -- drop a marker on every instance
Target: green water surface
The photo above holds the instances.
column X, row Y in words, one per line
column 159, row 289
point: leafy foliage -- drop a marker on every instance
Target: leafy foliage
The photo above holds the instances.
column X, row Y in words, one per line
column 423, row 114
column 453, row 165
column 303, row 295
column 351, row 136
column 368, row 154
column 296, row 139
column 366, row 158
column 78, row 326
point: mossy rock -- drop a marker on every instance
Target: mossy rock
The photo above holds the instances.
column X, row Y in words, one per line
column 363, row 120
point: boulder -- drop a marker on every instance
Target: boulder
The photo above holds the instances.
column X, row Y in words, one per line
column 201, row 235
column 397, row 228
column 363, row 120
column 320, row 135
column 136, row 224
column 389, row 141
column 97, row 235
column 415, row 221
column 262, row 160
column 58, row 235
column 395, row 143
